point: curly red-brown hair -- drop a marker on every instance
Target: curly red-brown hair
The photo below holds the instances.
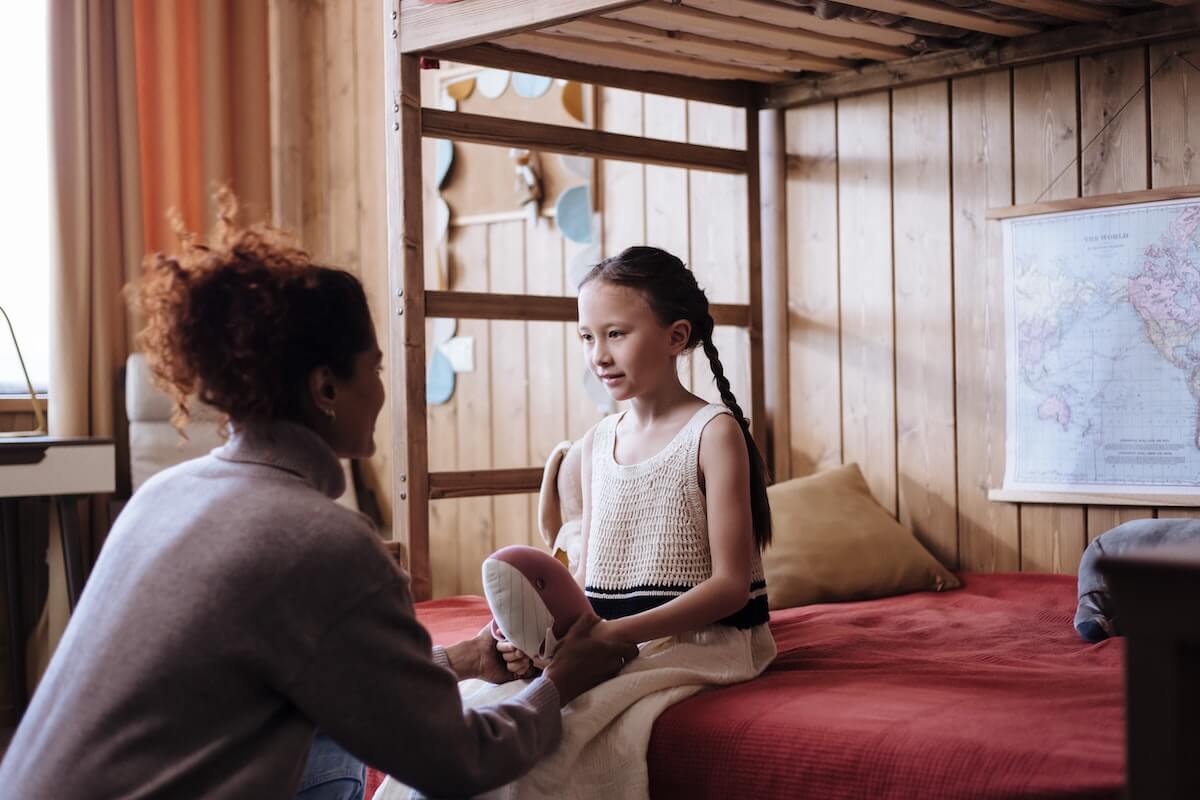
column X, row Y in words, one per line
column 240, row 321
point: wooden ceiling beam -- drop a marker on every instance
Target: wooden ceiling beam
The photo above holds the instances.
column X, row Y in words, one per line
column 691, row 45
column 423, row 26
column 1077, row 40
column 796, row 18
column 637, row 58
column 721, row 92
column 946, row 15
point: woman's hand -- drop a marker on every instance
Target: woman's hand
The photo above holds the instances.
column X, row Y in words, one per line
column 584, row 660
column 516, row 662
column 477, row 657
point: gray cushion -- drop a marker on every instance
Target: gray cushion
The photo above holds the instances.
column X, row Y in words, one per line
column 145, row 402
column 154, row 444
column 1096, row 618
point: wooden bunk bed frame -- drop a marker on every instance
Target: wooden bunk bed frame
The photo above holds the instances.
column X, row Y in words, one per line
column 759, row 55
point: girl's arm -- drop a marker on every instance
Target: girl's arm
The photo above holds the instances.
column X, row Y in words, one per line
column 725, row 472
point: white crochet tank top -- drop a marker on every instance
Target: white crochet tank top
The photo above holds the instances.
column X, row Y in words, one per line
column 649, row 531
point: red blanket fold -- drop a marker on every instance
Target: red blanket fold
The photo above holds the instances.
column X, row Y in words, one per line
column 985, row 692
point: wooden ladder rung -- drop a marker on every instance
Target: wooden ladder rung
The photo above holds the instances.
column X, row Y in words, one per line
column 539, row 308
column 484, row 482
column 504, row 132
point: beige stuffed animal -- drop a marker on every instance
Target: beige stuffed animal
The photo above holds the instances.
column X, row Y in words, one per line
column 560, row 504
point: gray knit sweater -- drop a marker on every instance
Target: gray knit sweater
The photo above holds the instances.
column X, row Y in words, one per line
column 235, row 608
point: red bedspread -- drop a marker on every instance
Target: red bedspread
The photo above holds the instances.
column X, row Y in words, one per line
column 984, row 692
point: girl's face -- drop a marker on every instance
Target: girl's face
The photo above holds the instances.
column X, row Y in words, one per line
column 625, row 345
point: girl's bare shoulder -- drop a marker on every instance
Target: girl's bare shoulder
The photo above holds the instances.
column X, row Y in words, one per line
column 722, row 437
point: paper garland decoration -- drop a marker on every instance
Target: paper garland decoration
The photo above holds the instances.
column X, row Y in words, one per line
column 572, row 100
column 530, row 86
column 460, row 352
column 597, row 393
column 445, row 160
column 439, row 383
column 492, row 82
column 580, row 166
column 573, row 212
column 461, row 90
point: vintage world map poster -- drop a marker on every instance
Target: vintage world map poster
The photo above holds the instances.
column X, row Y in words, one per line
column 1103, row 350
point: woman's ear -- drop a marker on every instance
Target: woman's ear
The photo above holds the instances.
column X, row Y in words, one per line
column 322, row 391
column 678, row 336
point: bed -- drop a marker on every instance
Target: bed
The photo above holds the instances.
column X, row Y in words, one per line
column 984, row 692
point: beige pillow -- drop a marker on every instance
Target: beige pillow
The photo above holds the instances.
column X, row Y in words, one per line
column 833, row 542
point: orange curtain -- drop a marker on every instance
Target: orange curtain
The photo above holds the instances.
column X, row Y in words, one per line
column 203, row 110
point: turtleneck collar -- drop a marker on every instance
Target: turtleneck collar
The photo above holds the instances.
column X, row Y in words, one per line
column 287, row 446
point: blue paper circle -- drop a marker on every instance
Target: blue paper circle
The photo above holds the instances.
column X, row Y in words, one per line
column 530, row 85
column 573, row 213
column 439, row 384
column 445, row 159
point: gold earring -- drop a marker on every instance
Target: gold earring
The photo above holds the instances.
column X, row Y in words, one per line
column 329, row 412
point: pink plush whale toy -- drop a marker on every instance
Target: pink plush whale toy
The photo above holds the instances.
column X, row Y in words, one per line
column 533, row 598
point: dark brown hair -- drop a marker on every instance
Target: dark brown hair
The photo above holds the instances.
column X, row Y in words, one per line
column 241, row 320
column 671, row 290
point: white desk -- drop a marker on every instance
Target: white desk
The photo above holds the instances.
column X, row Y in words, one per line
column 59, row 470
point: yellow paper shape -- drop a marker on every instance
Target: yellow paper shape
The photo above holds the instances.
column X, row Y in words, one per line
column 572, row 99
column 461, row 90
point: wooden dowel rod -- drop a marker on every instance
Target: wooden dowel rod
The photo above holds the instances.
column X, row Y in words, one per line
column 758, row 400
column 775, row 289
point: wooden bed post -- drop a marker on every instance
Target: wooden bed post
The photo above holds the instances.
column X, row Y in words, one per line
column 758, row 402
column 406, row 290
column 773, row 168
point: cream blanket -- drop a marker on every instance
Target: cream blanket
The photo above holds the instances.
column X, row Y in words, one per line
column 606, row 731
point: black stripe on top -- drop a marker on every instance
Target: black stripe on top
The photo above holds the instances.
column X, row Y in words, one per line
column 755, row 612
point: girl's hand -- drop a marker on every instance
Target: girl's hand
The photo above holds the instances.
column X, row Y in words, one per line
column 519, row 664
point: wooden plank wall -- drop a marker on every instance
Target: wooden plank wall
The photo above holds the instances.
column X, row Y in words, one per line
column 327, row 158
column 896, row 332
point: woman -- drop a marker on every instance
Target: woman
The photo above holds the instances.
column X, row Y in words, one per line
column 236, row 607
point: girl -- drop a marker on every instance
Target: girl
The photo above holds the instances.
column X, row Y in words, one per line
column 675, row 502
column 675, row 514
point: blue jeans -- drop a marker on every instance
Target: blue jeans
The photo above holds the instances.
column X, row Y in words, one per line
column 331, row 773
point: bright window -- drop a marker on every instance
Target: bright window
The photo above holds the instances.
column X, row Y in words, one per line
column 25, row 194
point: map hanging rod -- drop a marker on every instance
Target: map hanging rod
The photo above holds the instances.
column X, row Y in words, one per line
column 1095, row 201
